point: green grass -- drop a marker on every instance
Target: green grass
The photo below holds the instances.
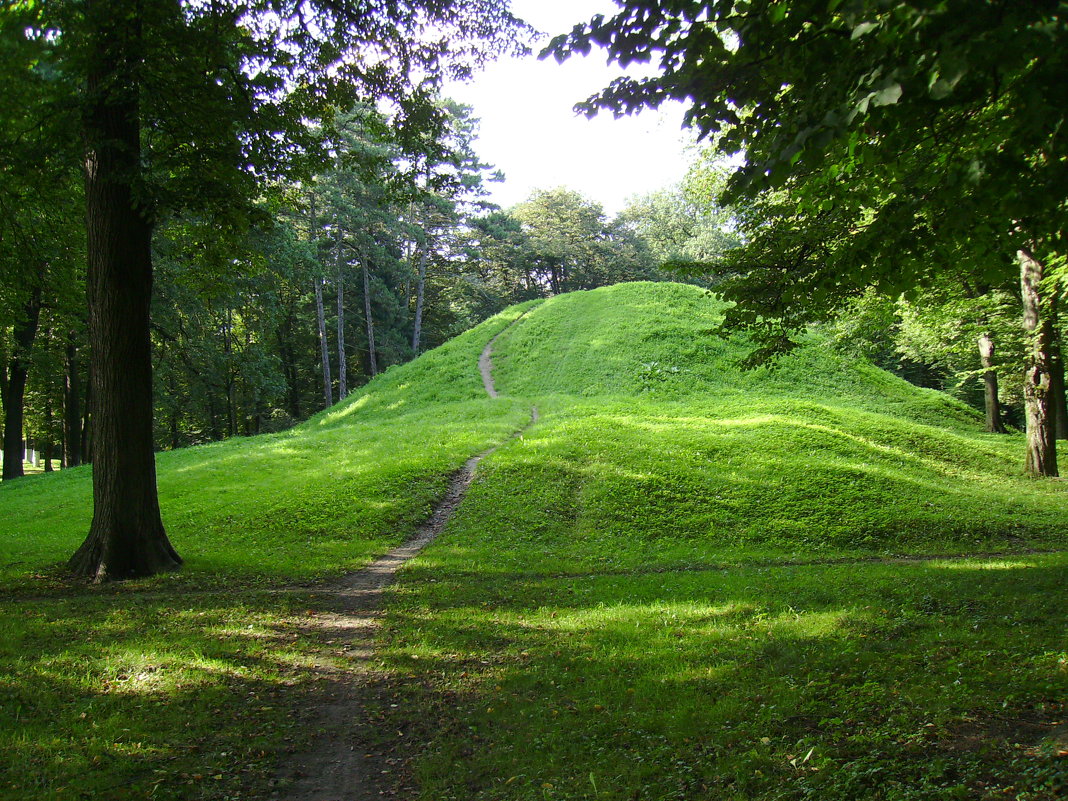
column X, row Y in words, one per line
column 662, row 590
column 320, row 498
column 118, row 691
column 928, row 680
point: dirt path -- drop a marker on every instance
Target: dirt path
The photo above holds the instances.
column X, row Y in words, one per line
column 346, row 761
column 485, row 361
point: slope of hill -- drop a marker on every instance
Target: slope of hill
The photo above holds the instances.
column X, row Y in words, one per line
column 656, row 449
column 675, row 585
column 321, row 497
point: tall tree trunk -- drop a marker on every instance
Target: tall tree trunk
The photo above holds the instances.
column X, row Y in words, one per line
column 1057, row 391
column 72, row 413
column 990, row 379
column 420, row 283
column 13, row 387
column 1041, row 442
column 231, row 379
column 342, row 363
column 126, row 537
column 372, row 358
column 328, row 384
column 46, row 446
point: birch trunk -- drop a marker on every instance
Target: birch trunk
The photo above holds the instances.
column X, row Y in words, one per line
column 1041, row 457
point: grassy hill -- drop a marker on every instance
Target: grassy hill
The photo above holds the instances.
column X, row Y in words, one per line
column 666, row 589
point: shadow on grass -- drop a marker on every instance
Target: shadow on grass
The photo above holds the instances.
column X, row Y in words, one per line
column 842, row 682
column 172, row 698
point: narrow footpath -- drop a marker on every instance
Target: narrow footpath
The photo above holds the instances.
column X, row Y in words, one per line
column 343, row 764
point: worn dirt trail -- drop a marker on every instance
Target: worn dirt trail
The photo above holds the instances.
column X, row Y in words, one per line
column 344, row 762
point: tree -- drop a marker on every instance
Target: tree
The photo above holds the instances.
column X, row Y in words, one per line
column 449, row 180
column 572, row 245
column 886, row 143
column 966, row 335
column 183, row 106
column 685, row 225
column 40, row 219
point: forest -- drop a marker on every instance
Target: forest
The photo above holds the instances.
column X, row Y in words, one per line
column 748, row 490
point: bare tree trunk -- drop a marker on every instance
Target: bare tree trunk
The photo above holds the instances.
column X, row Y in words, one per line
column 372, row 359
column 47, row 445
column 13, row 385
column 990, row 379
column 72, row 413
column 420, row 283
column 328, row 384
column 126, row 538
column 1041, row 442
column 342, row 363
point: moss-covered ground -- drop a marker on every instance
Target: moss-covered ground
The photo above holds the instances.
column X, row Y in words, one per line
column 685, row 581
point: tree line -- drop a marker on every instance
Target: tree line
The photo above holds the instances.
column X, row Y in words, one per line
column 358, row 267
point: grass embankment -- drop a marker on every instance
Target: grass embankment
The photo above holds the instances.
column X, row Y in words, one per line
column 182, row 686
column 631, row 605
column 617, row 609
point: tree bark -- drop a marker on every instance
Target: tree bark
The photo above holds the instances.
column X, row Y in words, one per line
column 231, row 379
column 47, row 445
column 372, row 359
column 72, row 412
column 342, row 363
column 13, row 387
column 990, row 379
column 1057, row 390
column 417, row 327
column 328, row 384
column 1041, row 457
column 126, row 537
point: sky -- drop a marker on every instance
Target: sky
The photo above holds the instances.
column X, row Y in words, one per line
column 530, row 132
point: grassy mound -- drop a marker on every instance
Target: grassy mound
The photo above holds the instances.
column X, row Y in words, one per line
column 675, row 587
column 655, row 448
column 661, row 591
column 322, row 497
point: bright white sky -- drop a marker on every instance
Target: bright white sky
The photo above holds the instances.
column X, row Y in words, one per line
column 530, row 132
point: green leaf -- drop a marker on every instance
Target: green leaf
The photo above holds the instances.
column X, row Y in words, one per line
column 888, row 96
column 863, row 28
